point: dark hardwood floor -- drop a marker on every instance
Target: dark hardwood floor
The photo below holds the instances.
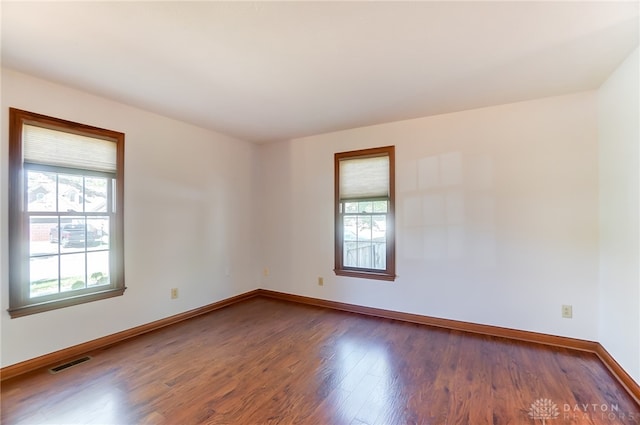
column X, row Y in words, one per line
column 265, row 361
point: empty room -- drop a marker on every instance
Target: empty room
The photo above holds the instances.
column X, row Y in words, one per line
column 324, row 213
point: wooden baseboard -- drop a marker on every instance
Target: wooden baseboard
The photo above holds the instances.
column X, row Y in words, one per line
column 81, row 349
column 558, row 341
column 621, row 375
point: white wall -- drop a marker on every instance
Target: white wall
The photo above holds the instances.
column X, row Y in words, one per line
column 619, row 137
column 496, row 216
column 189, row 219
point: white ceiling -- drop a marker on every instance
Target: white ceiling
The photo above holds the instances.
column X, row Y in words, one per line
column 265, row 71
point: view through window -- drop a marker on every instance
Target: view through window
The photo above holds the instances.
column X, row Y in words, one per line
column 69, row 226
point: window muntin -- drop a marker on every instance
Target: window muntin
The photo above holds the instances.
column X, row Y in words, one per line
column 65, row 233
column 364, row 235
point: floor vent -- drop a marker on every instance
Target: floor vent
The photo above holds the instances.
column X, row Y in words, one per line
column 67, row 365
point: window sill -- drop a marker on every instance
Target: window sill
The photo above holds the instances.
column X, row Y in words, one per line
column 365, row 274
column 65, row 302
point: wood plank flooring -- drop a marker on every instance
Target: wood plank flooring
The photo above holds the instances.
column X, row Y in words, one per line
column 266, row 361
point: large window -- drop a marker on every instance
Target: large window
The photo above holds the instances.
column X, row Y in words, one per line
column 66, row 186
column 364, row 213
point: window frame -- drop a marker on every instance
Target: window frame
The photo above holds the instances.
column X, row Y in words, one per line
column 20, row 304
column 389, row 274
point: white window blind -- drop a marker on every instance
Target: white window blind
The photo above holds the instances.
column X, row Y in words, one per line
column 364, row 177
column 58, row 148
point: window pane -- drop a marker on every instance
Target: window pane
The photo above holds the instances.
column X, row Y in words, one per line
column 43, row 273
column 380, row 206
column 364, row 255
column 41, row 188
column 350, row 254
column 351, row 207
column 350, row 228
column 98, row 268
column 95, row 194
column 379, row 256
column 72, row 272
column 364, row 227
column 70, row 193
column 379, row 228
column 43, row 235
column 97, row 233
column 365, row 207
column 72, row 234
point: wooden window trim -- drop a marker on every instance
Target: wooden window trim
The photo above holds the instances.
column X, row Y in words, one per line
column 390, row 273
column 19, row 305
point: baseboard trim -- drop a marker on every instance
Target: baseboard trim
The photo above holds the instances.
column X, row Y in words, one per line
column 621, row 375
column 66, row 354
column 557, row 341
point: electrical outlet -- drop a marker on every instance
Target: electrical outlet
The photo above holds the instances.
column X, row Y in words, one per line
column 320, row 281
column 265, row 272
column 174, row 293
column 567, row 311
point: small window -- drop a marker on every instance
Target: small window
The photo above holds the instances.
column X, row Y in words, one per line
column 65, row 213
column 364, row 213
